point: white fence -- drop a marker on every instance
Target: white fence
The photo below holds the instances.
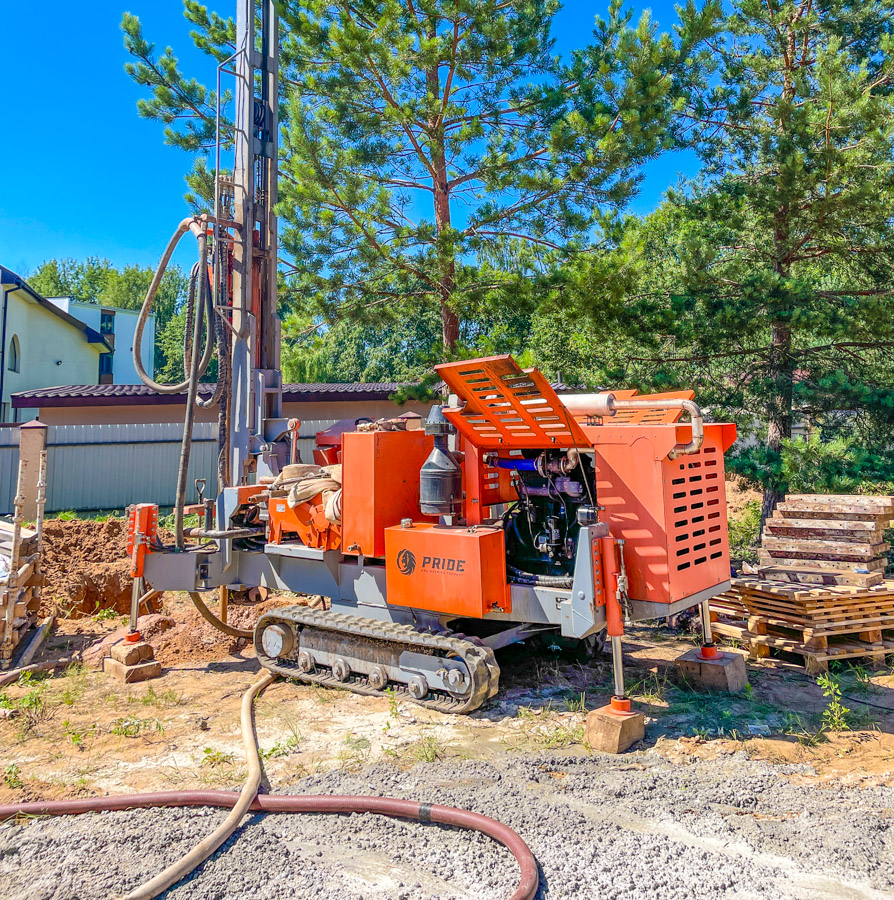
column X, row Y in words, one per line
column 92, row 467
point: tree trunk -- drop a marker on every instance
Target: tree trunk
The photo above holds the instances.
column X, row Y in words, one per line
column 779, row 404
column 446, row 260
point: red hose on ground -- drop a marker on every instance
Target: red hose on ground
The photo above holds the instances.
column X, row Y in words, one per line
column 317, row 803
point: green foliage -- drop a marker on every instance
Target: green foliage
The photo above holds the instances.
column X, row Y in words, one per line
column 436, row 160
column 836, row 716
column 131, row 726
column 764, row 283
column 97, row 281
column 744, row 533
column 12, row 777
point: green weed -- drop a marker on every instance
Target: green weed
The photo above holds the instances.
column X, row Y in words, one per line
column 354, row 753
column 165, row 699
column 427, row 749
column 281, row 748
column 77, row 734
column 214, row 758
column 578, row 703
column 131, row 726
column 12, row 777
column 836, row 715
column 105, row 615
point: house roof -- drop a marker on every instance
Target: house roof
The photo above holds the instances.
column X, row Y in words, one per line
column 9, row 279
column 141, row 395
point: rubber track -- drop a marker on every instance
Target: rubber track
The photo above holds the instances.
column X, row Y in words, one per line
column 479, row 659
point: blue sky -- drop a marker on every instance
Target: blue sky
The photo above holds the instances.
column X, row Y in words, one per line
column 82, row 175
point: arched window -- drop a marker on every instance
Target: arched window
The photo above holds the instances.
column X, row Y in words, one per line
column 14, row 354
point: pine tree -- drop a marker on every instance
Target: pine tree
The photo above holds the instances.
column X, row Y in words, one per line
column 767, row 281
column 421, row 138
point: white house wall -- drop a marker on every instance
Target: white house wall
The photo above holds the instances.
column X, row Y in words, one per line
column 51, row 351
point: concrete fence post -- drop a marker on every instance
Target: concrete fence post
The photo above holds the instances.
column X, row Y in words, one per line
column 32, row 442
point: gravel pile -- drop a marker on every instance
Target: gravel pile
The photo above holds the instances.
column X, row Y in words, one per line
column 637, row 826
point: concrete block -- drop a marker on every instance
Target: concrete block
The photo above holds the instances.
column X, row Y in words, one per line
column 131, row 654
column 141, row 671
column 726, row 672
column 613, row 732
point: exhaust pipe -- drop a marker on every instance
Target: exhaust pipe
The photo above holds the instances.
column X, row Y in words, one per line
column 606, row 405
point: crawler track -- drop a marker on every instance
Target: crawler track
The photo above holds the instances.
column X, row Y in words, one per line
column 368, row 641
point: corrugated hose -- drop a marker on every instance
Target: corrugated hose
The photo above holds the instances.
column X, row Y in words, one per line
column 249, row 800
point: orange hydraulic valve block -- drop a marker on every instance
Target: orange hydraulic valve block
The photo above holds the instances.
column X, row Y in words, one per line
column 142, row 529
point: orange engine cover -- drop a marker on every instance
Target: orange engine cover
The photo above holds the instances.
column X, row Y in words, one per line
column 670, row 513
column 380, row 485
column 447, row 569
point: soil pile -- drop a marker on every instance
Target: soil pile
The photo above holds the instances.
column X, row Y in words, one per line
column 193, row 639
column 86, row 567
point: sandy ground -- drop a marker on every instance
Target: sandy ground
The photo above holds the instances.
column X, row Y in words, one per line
column 745, row 796
column 83, row 733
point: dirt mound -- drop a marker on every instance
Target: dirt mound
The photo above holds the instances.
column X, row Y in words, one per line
column 86, row 567
column 194, row 639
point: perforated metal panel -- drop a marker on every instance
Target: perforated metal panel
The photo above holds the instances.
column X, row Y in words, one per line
column 507, row 407
column 697, row 510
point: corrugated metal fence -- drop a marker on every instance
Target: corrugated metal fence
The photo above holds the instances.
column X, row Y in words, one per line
column 94, row 467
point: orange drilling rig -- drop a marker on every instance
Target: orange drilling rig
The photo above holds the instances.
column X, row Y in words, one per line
column 509, row 512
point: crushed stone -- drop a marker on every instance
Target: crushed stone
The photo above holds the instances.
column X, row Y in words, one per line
column 636, row 826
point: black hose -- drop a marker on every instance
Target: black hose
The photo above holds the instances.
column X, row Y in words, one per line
column 522, row 577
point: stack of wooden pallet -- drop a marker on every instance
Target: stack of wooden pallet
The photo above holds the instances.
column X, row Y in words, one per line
column 19, row 589
column 820, row 591
column 827, row 539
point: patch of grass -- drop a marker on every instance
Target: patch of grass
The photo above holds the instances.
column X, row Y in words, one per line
column 77, row 734
column 214, row 758
column 324, row 695
column 131, row 726
column 75, row 684
column 165, row 699
column 281, row 748
column 562, row 736
column 804, row 731
column 652, row 689
column 12, row 777
column 354, row 752
column 577, row 703
column 427, row 749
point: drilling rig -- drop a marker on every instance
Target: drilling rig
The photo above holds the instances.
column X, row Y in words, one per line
column 511, row 511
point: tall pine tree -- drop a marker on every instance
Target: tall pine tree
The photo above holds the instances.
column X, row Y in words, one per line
column 768, row 281
column 422, row 138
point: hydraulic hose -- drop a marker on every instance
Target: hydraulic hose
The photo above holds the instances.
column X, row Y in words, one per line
column 194, row 373
column 195, row 225
column 220, row 625
column 180, row 869
column 522, row 577
column 248, row 800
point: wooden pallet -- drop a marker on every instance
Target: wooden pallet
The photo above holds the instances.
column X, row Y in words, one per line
column 763, row 634
column 820, row 624
column 819, row 576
